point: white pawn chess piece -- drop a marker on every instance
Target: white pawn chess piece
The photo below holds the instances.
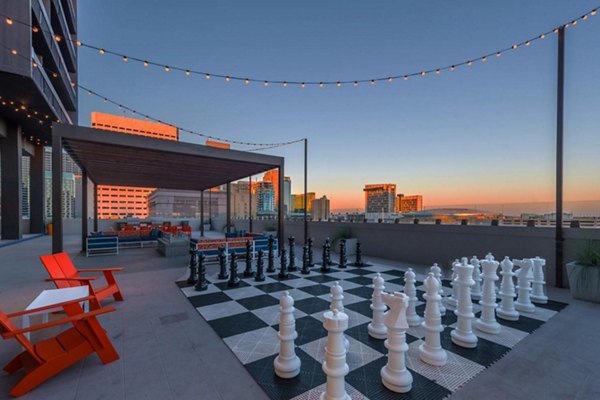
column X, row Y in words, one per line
column 377, row 328
column 538, row 295
column 463, row 334
column 335, row 366
column 437, row 272
column 524, row 277
column 487, row 322
column 394, row 374
column 431, row 351
column 476, row 291
column 452, row 299
column 507, row 309
column 287, row 363
column 337, row 303
column 411, row 291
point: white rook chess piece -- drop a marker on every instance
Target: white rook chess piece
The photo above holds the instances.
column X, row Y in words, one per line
column 451, row 300
column 476, row 291
column 538, row 295
column 337, row 303
column 431, row 351
column 377, row 328
column 507, row 292
column 287, row 363
column 334, row 366
column 487, row 323
column 463, row 334
column 437, row 272
column 410, row 290
column 394, row 374
column 524, row 277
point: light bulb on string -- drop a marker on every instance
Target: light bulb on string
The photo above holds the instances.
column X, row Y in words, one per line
column 102, row 51
column 584, row 17
column 390, row 79
column 423, row 73
column 302, row 85
column 527, row 43
column 266, row 83
column 125, row 58
column 57, row 38
column 187, row 72
column 372, row 81
column 9, row 21
column 355, row 83
column 437, row 71
column 78, row 43
column 246, row 81
column 514, row 46
column 405, row 77
column 453, row 67
column 338, row 84
column 14, row 52
column 35, row 29
column 321, row 84
column 593, row 12
column 498, row 54
column 574, row 22
column 542, row 36
column 167, row 69
column 146, row 63
column 285, row 84
column 484, row 59
column 227, row 78
column 207, row 76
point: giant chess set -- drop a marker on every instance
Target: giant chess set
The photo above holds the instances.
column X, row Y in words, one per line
column 340, row 330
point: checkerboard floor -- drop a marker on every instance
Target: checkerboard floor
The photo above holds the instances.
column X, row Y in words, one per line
column 247, row 318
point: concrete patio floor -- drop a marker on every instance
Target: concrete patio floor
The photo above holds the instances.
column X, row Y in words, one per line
column 169, row 352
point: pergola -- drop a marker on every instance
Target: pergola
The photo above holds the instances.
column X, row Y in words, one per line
column 112, row 158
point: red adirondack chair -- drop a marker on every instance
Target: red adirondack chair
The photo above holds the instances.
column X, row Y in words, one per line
column 64, row 274
column 46, row 358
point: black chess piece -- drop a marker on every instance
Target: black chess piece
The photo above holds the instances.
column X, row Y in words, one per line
column 283, row 274
column 201, row 283
column 248, row 271
column 328, row 251
column 222, row 264
column 234, row 280
column 271, row 256
column 311, row 262
column 343, row 259
column 358, row 262
column 305, row 267
column 292, row 265
column 193, row 265
column 260, row 276
column 325, row 262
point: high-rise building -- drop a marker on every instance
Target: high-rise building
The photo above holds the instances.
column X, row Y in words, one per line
column 380, row 198
column 298, row 202
column 287, row 194
column 320, row 209
column 265, row 194
column 122, row 201
column 406, row 204
column 71, row 186
column 169, row 203
column 240, row 199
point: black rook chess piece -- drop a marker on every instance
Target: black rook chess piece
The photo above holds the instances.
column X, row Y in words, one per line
column 248, row 271
column 292, row 265
column 234, row 280
column 311, row 262
column 201, row 284
column 358, row 262
column 271, row 256
column 343, row 259
column 222, row 264
column 305, row 268
column 325, row 262
column 193, row 264
column 260, row 276
column 283, row 274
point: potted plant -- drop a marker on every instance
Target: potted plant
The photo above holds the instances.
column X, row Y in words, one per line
column 584, row 274
column 344, row 233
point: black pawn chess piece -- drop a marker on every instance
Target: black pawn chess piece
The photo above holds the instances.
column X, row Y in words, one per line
column 305, row 267
column 248, row 271
column 260, row 276
column 201, row 283
column 222, row 264
column 292, row 265
column 283, row 274
column 328, row 251
column 358, row 262
column 325, row 262
column 193, row 265
column 271, row 256
column 234, row 280
column 343, row 259
column 311, row 262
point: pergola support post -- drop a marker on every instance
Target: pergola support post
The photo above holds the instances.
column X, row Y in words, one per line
column 280, row 205
column 57, row 183
column 202, row 213
column 560, row 94
column 84, row 210
column 228, row 216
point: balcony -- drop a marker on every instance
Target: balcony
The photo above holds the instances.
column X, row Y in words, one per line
column 70, row 14
column 45, row 86
column 67, row 46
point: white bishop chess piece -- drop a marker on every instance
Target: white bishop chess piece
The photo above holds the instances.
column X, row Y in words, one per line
column 431, row 351
column 410, row 290
column 437, row 272
column 287, row 363
column 376, row 327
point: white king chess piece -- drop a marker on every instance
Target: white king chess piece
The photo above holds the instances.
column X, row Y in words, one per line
column 431, row 351
column 463, row 334
column 538, row 295
column 394, row 374
column 287, row 363
column 334, row 366
column 487, row 323
column 377, row 328
column 437, row 272
column 410, row 290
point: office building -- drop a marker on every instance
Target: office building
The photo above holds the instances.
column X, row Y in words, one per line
column 71, row 186
column 298, row 202
column 168, row 203
column 380, row 198
column 265, row 194
column 406, row 204
column 273, row 177
column 320, row 209
column 240, row 199
column 287, row 195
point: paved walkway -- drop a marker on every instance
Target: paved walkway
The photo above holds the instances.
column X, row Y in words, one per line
column 169, row 352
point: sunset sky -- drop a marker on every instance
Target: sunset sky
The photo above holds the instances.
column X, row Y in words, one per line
column 481, row 134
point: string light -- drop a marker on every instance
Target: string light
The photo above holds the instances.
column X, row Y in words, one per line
column 35, row 29
column 437, row 71
column 266, row 83
column 167, row 69
column 338, row 84
column 9, row 21
column 285, row 84
column 227, row 78
column 246, row 81
column 302, row 85
column 372, row 81
column 14, row 52
column 101, row 51
column 125, row 58
column 593, row 12
column 207, row 76
column 146, row 63
column 355, row 83
column 405, row 77
column 187, row 72
column 57, row 38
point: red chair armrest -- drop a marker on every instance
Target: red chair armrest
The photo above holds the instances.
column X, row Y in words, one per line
column 79, row 279
column 51, row 306
column 101, row 269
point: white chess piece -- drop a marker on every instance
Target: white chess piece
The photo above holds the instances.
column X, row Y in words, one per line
column 335, row 366
column 476, row 290
column 524, row 277
column 451, row 300
column 437, row 272
column 463, row 334
column 538, row 295
column 431, row 351
column 490, row 257
column 337, row 303
column 287, row 363
column 507, row 309
column 410, row 290
column 487, row 322
column 394, row 374
column 376, row 327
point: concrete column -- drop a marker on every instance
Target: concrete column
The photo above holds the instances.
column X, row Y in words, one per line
column 95, row 207
column 11, row 150
column 36, row 192
column 84, row 210
column 57, row 183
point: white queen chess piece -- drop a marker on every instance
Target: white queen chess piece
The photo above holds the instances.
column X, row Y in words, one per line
column 410, row 290
column 335, row 366
column 507, row 309
column 524, row 277
column 538, row 295
column 376, row 327
column 431, row 351
column 487, row 322
column 287, row 363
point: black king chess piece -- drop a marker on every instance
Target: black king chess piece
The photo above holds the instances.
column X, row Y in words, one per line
column 260, row 276
column 305, row 268
column 343, row 259
column 271, row 256
column 325, row 262
column 292, row 265
column 222, row 264
column 234, row 280
column 311, row 262
column 283, row 274
column 248, row 271
column 358, row 262
column 193, row 265
column 201, row 284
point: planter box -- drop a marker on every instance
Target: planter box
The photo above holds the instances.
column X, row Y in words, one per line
column 584, row 282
